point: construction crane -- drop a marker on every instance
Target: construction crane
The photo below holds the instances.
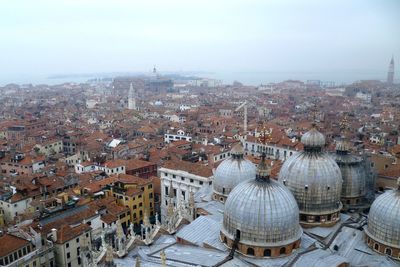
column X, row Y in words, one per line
column 244, row 106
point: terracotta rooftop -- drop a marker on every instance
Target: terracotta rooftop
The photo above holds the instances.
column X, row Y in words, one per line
column 10, row 243
column 67, row 232
column 137, row 163
column 131, row 179
column 114, row 163
column 193, row 168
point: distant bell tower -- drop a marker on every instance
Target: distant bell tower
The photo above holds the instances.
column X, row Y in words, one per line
column 390, row 76
column 131, row 98
column 154, row 73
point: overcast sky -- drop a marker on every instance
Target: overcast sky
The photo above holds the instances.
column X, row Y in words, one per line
column 86, row 36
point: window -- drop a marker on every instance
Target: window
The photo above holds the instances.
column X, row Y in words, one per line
column 201, row 182
column 67, row 245
column 79, row 260
column 183, row 178
column 191, row 180
column 69, row 264
column 151, row 195
column 250, row 251
column 68, row 255
column 77, row 240
column 150, row 186
column 282, row 251
column 237, row 234
column 173, row 176
column 388, row 251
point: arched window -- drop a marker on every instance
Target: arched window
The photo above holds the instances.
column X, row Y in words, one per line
column 388, row 251
column 267, row 252
column 376, row 246
column 238, row 234
column 225, row 241
column 250, row 251
column 282, row 251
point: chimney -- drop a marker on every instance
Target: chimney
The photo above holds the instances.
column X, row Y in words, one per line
column 54, row 234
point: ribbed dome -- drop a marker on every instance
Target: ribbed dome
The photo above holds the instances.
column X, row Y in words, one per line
column 313, row 138
column 314, row 178
column 353, row 174
column 264, row 211
column 383, row 219
column 233, row 171
column 237, row 150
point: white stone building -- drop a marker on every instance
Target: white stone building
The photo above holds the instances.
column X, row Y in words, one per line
column 183, row 178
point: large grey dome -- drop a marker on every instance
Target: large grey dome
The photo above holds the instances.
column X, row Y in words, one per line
column 315, row 180
column 383, row 221
column 264, row 213
column 232, row 171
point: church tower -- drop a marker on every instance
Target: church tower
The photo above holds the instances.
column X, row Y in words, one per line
column 131, row 98
column 390, row 76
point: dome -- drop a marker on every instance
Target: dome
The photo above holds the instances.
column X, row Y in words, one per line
column 263, row 214
column 313, row 138
column 353, row 174
column 383, row 227
column 315, row 180
column 231, row 172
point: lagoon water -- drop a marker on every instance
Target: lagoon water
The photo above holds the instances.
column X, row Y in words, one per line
column 247, row 78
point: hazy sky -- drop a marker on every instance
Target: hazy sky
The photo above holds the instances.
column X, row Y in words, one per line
column 78, row 36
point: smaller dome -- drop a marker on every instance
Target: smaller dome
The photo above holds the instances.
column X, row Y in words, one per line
column 231, row 172
column 237, row 150
column 313, row 138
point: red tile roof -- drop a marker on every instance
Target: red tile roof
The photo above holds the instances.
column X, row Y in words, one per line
column 10, row 243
